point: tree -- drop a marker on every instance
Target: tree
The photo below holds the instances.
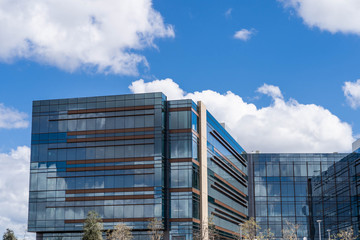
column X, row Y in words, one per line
column 9, row 235
column 249, row 229
column 211, row 228
column 120, row 232
column 266, row 235
column 347, row 234
column 93, row 227
column 290, row 231
column 206, row 228
column 156, row 227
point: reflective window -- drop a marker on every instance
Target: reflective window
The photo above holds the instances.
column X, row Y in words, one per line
column 179, row 120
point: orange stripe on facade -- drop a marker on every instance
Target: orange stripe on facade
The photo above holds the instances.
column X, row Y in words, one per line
column 232, row 164
column 225, row 218
column 229, row 185
column 185, row 130
column 229, row 208
column 185, row 220
column 194, row 190
column 177, row 160
column 226, row 193
column 226, row 230
column 227, row 214
column 229, row 170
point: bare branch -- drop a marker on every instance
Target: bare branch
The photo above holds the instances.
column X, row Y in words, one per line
column 120, row 232
column 290, row 231
column 156, row 227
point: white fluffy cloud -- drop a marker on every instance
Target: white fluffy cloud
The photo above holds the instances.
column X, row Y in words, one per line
column 352, row 93
column 12, row 118
column 270, row 90
column 283, row 126
column 330, row 15
column 14, row 190
column 167, row 86
column 80, row 34
column 244, row 34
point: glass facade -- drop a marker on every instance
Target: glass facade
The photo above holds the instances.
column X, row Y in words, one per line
column 304, row 188
column 130, row 158
column 335, row 195
column 227, row 180
column 135, row 157
column 102, row 153
column 183, row 140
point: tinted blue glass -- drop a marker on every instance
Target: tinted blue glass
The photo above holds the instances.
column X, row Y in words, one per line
column 310, row 195
column 194, row 121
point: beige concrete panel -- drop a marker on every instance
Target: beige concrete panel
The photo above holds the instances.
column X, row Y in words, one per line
column 203, row 170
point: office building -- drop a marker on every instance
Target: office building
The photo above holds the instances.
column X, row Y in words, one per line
column 139, row 156
column 132, row 158
column 305, row 188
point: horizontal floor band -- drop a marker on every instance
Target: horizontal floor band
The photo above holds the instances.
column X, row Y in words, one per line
column 229, row 170
column 177, row 160
column 225, row 218
column 185, row 130
column 194, row 190
column 229, row 185
column 229, row 215
column 185, row 220
column 234, row 198
column 229, row 208
column 231, row 163
column 226, row 230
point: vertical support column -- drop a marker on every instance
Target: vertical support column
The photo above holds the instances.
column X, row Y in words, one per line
column 203, row 170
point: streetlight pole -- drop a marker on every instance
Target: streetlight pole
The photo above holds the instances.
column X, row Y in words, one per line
column 328, row 233
column 319, row 221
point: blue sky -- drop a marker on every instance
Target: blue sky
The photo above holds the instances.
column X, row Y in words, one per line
column 308, row 64
column 288, row 65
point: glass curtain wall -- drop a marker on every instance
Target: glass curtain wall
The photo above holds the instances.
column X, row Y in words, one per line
column 338, row 202
column 184, row 188
column 227, row 181
column 290, row 187
column 131, row 158
column 101, row 153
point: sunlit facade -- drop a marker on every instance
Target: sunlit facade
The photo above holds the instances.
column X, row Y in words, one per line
column 139, row 156
column 132, row 158
column 302, row 189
